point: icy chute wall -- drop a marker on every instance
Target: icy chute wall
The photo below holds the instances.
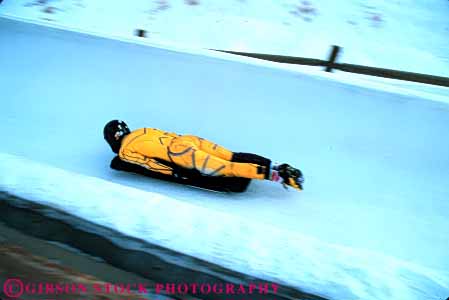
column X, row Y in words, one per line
column 376, row 164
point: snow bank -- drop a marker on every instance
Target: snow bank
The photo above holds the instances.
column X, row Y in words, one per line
column 233, row 242
column 372, row 32
column 400, row 87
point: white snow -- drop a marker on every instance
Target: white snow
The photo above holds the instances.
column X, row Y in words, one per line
column 372, row 222
column 409, row 35
column 249, row 246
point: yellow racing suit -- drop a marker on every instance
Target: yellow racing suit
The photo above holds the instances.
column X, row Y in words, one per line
column 160, row 151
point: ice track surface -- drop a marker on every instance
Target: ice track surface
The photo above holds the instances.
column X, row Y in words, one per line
column 376, row 163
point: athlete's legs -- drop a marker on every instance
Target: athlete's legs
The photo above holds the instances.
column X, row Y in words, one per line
column 209, row 147
column 221, row 152
column 250, row 158
column 186, row 152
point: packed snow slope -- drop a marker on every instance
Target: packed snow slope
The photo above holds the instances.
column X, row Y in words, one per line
column 410, row 35
column 376, row 163
column 249, row 246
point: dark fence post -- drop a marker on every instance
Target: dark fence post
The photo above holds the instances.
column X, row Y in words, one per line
column 332, row 58
column 141, row 33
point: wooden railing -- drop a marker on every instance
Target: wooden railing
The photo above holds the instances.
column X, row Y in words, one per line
column 331, row 64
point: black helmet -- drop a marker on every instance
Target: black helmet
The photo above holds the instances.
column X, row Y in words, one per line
column 114, row 132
